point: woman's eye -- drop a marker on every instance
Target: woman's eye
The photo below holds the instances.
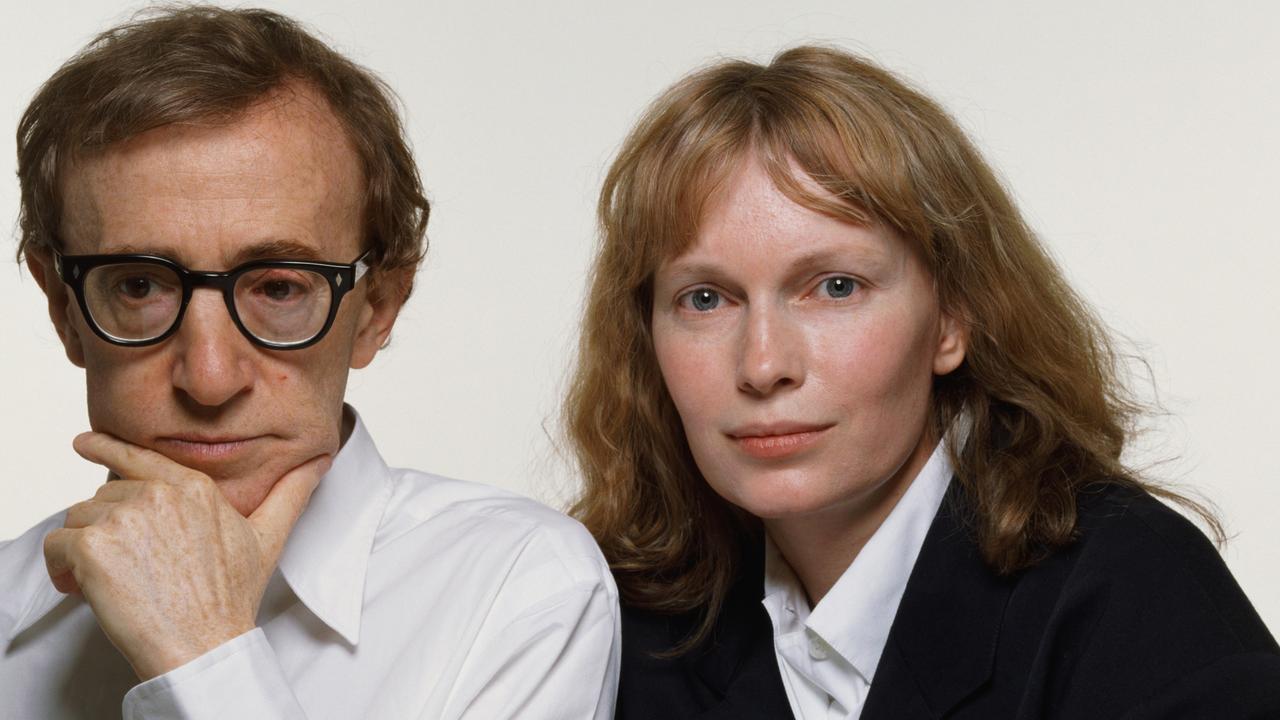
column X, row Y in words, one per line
column 839, row 287
column 702, row 299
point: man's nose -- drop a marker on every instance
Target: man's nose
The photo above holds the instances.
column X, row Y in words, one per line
column 214, row 360
column 771, row 351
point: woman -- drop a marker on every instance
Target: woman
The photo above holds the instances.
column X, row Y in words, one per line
column 852, row 444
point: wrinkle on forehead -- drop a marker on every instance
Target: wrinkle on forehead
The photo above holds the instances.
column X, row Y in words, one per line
column 174, row 161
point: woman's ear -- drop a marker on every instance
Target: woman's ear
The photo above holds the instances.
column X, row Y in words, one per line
column 953, row 340
column 58, row 295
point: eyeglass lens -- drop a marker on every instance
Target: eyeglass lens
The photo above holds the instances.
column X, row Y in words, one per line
column 141, row 301
column 282, row 305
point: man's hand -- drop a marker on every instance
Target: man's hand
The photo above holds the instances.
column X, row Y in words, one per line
column 169, row 567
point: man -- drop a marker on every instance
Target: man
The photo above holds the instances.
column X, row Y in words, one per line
column 225, row 218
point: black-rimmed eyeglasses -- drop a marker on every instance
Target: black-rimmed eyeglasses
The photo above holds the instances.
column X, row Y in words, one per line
column 135, row 300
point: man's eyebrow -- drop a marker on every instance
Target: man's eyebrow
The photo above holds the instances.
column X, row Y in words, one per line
column 278, row 250
column 130, row 249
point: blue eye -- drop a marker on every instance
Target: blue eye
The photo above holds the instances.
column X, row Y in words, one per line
column 839, row 287
column 703, row 299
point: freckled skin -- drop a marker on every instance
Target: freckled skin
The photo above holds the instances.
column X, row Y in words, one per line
column 200, row 193
column 778, row 347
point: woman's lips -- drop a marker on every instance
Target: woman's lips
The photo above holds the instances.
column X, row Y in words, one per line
column 780, row 442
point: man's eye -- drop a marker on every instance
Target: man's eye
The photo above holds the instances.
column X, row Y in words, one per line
column 136, row 287
column 277, row 289
column 701, row 299
column 839, row 287
column 283, row 286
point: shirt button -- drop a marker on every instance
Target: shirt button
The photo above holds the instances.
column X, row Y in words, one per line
column 818, row 648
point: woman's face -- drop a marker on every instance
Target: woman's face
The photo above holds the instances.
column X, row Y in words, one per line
column 800, row 352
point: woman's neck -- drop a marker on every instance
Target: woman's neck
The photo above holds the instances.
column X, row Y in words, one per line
column 820, row 546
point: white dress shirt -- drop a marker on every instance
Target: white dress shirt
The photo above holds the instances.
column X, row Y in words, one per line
column 828, row 656
column 398, row 595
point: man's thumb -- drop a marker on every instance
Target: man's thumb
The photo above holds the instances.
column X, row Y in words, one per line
column 282, row 507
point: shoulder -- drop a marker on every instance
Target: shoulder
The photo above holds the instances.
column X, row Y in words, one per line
column 1152, row 562
column 478, row 529
column 1139, row 606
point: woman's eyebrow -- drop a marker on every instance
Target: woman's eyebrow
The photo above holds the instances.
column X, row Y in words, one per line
column 682, row 269
column 849, row 259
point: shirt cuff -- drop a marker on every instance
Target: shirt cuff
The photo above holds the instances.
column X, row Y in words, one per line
column 240, row 678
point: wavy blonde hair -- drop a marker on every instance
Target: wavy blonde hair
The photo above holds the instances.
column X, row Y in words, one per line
column 1041, row 378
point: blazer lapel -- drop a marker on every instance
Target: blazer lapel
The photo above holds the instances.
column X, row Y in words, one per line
column 942, row 644
column 740, row 664
column 755, row 688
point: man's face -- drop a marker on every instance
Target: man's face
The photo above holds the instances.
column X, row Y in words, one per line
column 282, row 181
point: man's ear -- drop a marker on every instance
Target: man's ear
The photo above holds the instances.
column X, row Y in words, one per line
column 953, row 340
column 40, row 263
column 385, row 295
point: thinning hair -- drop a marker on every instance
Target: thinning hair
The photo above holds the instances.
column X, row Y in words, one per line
column 1041, row 380
column 208, row 64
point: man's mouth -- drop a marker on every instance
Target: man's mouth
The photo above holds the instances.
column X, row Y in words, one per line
column 205, row 448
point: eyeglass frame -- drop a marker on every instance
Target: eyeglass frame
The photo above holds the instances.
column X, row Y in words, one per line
column 342, row 278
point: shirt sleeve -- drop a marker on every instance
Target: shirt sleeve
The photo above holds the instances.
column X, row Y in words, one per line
column 559, row 658
column 239, row 679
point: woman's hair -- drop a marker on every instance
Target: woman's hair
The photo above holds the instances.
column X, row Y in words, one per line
column 1040, row 381
column 209, row 64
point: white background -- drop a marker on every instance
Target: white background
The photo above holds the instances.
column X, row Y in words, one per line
column 1142, row 140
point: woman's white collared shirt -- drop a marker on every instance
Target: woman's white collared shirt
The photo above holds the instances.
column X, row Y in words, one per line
column 827, row 655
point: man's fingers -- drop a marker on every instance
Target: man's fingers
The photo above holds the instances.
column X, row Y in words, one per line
column 58, row 560
column 275, row 517
column 86, row 513
column 127, row 460
column 117, row 490
column 90, row 511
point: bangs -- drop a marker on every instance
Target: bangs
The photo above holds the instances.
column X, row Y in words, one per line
column 683, row 153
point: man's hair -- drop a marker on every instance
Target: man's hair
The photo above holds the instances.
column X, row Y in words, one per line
column 209, row 64
column 1040, row 383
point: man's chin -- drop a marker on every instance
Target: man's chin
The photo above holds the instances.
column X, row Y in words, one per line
column 245, row 493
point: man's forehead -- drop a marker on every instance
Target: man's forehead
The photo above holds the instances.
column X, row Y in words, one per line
column 270, row 249
column 282, row 176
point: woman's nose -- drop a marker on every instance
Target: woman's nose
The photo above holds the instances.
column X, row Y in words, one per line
column 771, row 353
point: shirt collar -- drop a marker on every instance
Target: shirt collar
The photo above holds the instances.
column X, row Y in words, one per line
column 29, row 595
column 326, row 556
column 855, row 616
column 324, row 561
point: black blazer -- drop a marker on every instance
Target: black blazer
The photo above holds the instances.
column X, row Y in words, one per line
column 1139, row 618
